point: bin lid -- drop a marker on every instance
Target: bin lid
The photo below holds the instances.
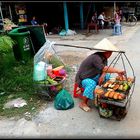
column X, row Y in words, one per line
column 19, row 31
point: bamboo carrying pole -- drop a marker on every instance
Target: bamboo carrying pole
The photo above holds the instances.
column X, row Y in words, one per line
column 76, row 46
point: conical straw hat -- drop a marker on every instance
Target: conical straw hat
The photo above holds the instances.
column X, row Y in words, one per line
column 105, row 45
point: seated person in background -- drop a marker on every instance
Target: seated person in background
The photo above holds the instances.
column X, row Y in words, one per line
column 93, row 23
column 103, row 21
column 33, row 21
column 121, row 15
column 117, row 17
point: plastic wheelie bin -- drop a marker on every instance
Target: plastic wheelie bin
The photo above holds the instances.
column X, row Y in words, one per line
column 37, row 35
column 24, row 47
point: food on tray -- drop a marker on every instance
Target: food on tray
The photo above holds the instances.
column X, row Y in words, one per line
column 120, row 87
column 121, row 96
column 111, row 85
column 121, row 84
column 108, row 83
column 125, row 86
column 114, row 95
column 107, row 93
column 110, row 89
column 111, row 94
column 99, row 91
column 116, row 86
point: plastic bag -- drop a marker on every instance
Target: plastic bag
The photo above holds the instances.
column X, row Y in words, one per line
column 63, row 100
column 55, row 61
column 46, row 48
column 46, row 54
column 70, row 32
column 62, row 33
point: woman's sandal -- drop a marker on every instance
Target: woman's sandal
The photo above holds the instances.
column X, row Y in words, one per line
column 84, row 107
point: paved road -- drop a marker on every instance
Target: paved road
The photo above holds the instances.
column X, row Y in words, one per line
column 75, row 123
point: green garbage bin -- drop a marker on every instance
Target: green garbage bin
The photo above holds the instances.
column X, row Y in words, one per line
column 23, row 48
column 37, row 35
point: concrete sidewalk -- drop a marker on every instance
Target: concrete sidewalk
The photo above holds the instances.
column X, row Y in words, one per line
column 82, row 40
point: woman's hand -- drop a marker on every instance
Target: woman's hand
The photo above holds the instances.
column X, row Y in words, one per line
column 101, row 79
column 121, row 73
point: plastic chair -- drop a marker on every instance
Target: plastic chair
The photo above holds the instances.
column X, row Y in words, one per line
column 77, row 92
column 93, row 26
column 117, row 30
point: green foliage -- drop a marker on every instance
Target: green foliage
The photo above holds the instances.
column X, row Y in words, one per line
column 6, row 43
column 16, row 80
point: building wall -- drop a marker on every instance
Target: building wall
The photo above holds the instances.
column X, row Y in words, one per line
column 53, row 14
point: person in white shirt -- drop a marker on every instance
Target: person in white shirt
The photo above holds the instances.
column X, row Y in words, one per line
column 103, row 21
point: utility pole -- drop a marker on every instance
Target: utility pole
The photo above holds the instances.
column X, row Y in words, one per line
column 10, row 13
column 66, row 16
column 1, row 11
column 114, row 7
column 81, row 15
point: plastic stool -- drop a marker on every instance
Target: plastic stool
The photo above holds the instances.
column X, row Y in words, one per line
column 77, row 92
column 117, row 30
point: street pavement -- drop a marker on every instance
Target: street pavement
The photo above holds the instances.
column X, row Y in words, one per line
column 75, row 123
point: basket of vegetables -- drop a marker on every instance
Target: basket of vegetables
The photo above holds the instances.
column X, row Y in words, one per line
column 53, row 83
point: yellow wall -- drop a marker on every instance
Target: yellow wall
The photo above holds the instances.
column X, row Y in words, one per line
column 109, row 11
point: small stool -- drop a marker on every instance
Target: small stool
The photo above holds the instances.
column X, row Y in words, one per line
column 77, row 92
column 117, row 30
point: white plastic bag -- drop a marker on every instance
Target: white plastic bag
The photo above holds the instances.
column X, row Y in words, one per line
column 41, row 62
column 70, row 32
column 39, row 56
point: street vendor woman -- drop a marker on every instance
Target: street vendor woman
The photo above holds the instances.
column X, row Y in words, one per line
column 94, row 70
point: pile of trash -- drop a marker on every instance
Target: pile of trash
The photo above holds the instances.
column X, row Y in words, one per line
column 67, row 33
